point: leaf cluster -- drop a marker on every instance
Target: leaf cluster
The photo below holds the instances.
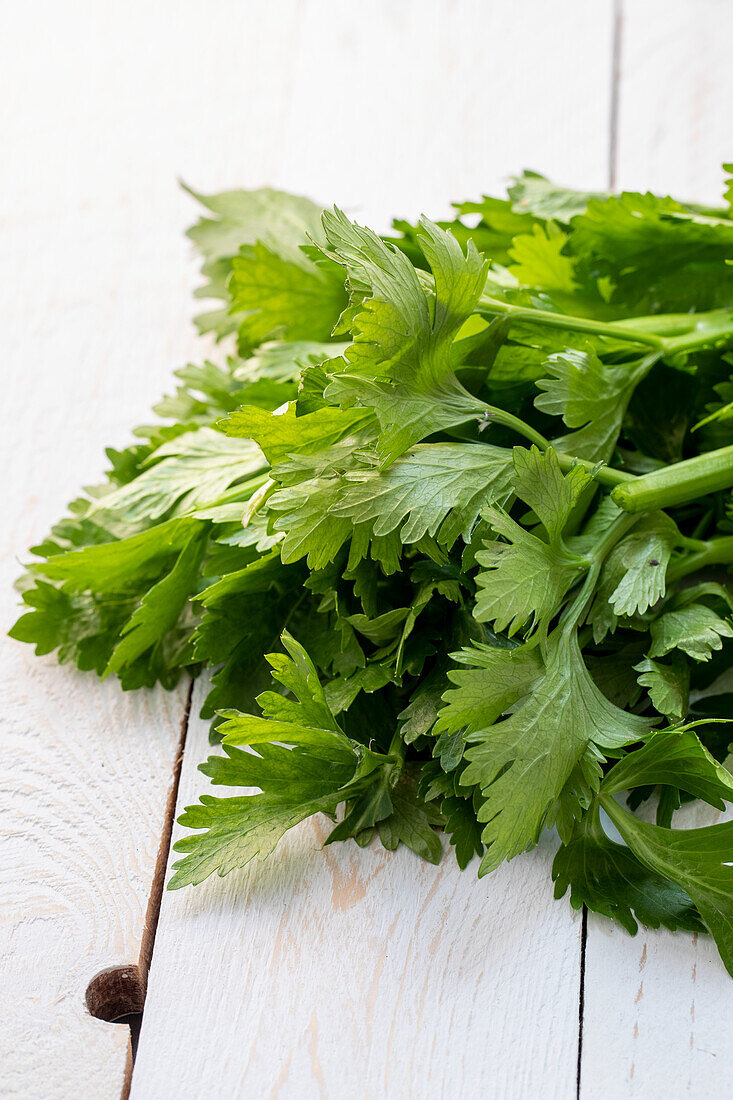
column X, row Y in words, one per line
column 388, row 526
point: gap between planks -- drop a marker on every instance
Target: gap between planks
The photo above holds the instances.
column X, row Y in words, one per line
column 152, row 912
column 616, row 44
column 581, row 998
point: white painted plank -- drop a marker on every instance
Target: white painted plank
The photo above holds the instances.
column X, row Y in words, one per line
column 352, row 973
column 657, row 1007
column 398, row 109
column 676, row 97
column 384, row 108
column 657, row 1010
column 85, row 771
column 84, row 781
column 93, row 318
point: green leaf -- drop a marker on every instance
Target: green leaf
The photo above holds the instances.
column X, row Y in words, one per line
column 297, row 675
column 304, row 513
column 633, row 577
column 524, row 580
column 643, row 556
column 208, row 391
column 538, row 260
column 161, row 605
column 614, row 674
column 274, row 217
column 548, row 749
column 340, row 693
column 658, row 255
column 280, row 221
column 498, row 226
column 278, row 296
column 552, row 495
column 243, row 616
column 610, row 880
column 591, row 397
column 82, row 628
column 493, row 235
column 661, row 413
column 282, row 434
column 235, row 830
column 189, row 472
column 421, row 713
column 364, row 811
column 284, row 360
column 695, row 629
column 535, row 194
column 302, row 763
column 719, row 412
column 697, row 860
column 668, row 685
column 728, row 196
column 412, row 821
column 463, row 828
column 434, row 488
column 124, row 566
column 673, row 758
column 495, row 680
column 401, row 361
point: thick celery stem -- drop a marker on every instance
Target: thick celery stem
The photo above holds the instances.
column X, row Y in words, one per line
column 679, row 483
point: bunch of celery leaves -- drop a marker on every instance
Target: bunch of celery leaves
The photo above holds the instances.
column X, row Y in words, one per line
column 450, row 533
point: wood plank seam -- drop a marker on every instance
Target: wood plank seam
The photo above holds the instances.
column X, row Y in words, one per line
column 616, row 45
column 581, row 998
column 158, row 885
column 119, row 991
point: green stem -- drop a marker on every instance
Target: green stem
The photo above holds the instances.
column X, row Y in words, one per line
column 601, row 550
column 616, row 329
column 397, row 747
column 494, row 415
column 605, row 475
column 703, row 523
column 672, row 334
column 258, row 499
column 235, row 493
column 704, row 330
column 614, row 811
column 714, row 552
column 679, row 483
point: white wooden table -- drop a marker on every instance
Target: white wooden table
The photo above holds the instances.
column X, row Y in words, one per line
column 349, row 973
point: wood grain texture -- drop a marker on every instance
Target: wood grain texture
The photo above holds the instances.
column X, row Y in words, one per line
column 675, row 120
column 93, row 318
column 658, row 1007
column 359, row 973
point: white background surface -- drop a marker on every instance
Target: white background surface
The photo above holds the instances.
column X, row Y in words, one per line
column 344, row 974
